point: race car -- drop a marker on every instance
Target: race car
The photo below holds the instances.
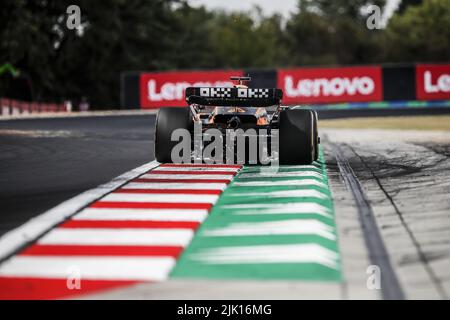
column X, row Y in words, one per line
column 242, row 110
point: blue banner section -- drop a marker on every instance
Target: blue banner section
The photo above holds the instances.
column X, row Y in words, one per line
column 384, row 105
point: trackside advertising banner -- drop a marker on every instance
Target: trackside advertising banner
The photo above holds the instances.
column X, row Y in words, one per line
column 325, row 85
column 167, row 89
column 433, row 81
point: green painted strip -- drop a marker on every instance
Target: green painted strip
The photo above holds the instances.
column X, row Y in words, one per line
column 268, row 227
column 342, row 106
column 417, row 104
column 383, row 105
column 378, row 105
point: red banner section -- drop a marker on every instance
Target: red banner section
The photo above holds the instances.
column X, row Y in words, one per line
column 433, row 81
column 167, row 89
column 324, row 85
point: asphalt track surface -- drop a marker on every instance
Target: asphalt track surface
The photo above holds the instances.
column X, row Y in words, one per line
column 44, row 162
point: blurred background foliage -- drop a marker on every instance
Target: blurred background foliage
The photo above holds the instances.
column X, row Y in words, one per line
column 127, row 35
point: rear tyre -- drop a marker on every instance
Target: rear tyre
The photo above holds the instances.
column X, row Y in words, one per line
column 296, row 137
column 316, row 136
column 168, row 120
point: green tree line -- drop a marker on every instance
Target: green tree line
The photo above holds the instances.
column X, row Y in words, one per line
column 127, row 35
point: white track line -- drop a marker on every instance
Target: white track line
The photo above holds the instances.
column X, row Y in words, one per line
column 97, row 268
column 299, row 183
column 271, row 254
column 188, row 176
column 142, row 215
column 289, row 208
column 286, row 227
column 174, row 186
column 82, row 114
column 279, row 208
column 15, row 239
column 120, row 237
column 203, row 169
column 284, row 194
column 294, row 174
column 309, row 166
column 172, row 198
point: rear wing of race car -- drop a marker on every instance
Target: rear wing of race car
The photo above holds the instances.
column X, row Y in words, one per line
column 231, row 97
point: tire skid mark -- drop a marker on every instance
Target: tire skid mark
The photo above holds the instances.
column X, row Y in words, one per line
column 408, row 230
column 391, row 289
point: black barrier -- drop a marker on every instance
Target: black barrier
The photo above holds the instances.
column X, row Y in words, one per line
column 226, row 309
column 399, row 82
column 130, row 91
column 262, row 78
